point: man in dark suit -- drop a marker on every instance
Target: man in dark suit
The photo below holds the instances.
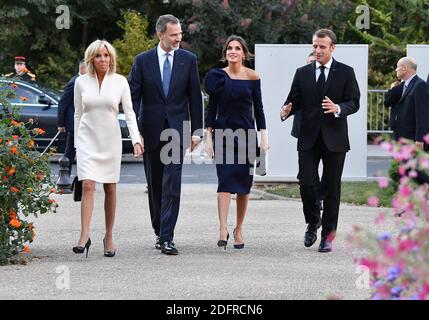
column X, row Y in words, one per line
column 391, row 99
column 327, row 92
column 65, row 115
column 411, row 119
column 165, row 89
column 320, row 183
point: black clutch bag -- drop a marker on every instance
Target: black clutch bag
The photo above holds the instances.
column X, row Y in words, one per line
column 260, row 165
column 77, row 189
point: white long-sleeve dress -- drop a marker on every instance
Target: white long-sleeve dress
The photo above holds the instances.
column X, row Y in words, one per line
column 97, row 134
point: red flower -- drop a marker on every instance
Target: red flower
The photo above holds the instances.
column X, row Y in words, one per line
column 12, row 214
column 14, row 150
column 11, row 171
column 39, row 131
column 13, row 189
column 15, row 223
column 26, row 249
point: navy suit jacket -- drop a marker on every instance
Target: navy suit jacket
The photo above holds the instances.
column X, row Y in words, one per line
column 342, row 88
column 391, row 100
column 153, row 108
column 412, row 118
column 65, row 113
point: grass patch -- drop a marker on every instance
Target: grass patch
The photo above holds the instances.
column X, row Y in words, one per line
column 351, row 192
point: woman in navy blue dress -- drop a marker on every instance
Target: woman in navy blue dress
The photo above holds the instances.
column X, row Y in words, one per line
column 235, row 96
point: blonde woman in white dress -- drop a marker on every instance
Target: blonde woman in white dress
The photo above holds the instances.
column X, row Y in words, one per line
column 97, row 96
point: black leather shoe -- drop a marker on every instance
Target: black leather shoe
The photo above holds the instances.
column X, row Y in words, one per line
column 310, row 236
column 168, row 247
column 325, row 245
column 157, row 243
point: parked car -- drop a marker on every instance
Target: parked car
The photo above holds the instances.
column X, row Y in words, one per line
column 41, row 104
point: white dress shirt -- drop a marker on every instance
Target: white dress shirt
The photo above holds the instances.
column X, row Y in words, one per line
column 161, row 58
column 327, row 69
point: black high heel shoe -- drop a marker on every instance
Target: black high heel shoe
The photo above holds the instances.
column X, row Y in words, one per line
column 109, row 254
column 239, row 245
column 223, row 243
column 80, row 249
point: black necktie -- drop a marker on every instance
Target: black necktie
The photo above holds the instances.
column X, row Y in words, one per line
column 321, row 83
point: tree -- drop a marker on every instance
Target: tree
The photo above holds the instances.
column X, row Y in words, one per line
column 134, row 41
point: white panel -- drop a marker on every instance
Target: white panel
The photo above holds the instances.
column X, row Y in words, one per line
column 276, row 65
column 421, row 53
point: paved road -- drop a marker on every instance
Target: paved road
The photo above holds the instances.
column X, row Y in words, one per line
column 273, row 265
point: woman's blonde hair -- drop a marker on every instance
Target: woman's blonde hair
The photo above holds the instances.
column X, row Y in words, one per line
column 94, row 49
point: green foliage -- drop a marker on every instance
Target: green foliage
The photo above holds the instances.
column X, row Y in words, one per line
column 134, row 41
column 394, row 174
column 25, row 180
column 351, row 192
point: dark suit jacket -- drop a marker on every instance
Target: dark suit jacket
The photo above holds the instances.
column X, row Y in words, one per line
column 66, row 106
column 296, row 124
column 412, row 119
column 183, row 101
column 342, row 88
column 391, row 100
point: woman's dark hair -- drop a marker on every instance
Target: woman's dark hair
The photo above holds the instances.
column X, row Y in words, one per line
column 247, row 54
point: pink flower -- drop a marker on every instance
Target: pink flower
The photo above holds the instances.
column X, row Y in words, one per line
column 373, row 201
column 192, row 28
column 426, row 139
column 396, row 203
column 412, row 174
column 405, row 191
column 389, row 251
column 371, row 264
column 386, row 146
column 246, row 22
column 424, row 163
column 380, row 218
column 406, row 245
column 383, row 183
column 225, row 4
column 401, row 170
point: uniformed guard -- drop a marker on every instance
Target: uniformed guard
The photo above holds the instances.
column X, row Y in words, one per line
column 21, row 71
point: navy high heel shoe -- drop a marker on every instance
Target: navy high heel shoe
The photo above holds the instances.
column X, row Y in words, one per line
column 237, row 245
column 80, row 249
column 108, row 254
column 223, row 243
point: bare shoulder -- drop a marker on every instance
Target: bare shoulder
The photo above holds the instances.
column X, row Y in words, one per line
column 252, row 74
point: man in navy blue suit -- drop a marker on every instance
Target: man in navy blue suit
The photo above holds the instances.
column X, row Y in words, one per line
column 166, row 94
column 412, row 117
column 65, row 115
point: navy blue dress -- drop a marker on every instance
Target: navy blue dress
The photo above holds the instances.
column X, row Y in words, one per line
column 232, row 104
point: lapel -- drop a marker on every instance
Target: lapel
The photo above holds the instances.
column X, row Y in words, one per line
column 177, row 67
column 408, row 90
column 153, row 66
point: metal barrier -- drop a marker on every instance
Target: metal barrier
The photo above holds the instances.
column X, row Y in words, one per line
column 378, row 114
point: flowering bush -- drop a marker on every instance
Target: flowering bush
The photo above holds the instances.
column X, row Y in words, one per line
column 25, row 179
column 398, row 259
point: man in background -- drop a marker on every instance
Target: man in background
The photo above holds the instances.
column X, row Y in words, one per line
column 65, row 119
column 21, row 70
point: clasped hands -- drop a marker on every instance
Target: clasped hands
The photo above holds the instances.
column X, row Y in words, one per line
column 208, row 143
